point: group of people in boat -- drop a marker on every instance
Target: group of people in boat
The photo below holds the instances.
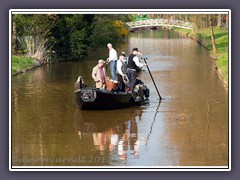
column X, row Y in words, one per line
column 123, row 69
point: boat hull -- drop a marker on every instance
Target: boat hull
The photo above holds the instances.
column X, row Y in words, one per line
column 95, row 99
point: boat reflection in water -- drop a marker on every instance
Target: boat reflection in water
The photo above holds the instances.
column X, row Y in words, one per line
column 113, row 132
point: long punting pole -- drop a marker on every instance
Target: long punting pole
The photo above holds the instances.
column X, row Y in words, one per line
column 152, row 78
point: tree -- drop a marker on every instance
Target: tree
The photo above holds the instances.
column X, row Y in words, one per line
column 212, row 34
column 108, row 28
column 219, row 23
column 120, row 28
column 34, row 31
column 72, row 35
column 14, row 35
column 68, row 36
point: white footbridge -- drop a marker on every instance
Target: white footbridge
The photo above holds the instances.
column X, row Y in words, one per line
column 159, row 23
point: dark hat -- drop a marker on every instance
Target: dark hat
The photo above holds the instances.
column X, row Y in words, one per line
column 135, row 49
column 123, row 54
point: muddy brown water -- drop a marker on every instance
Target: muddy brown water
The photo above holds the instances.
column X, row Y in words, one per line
column 188, row 128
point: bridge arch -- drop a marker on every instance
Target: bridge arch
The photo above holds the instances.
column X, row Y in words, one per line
column 160, row 22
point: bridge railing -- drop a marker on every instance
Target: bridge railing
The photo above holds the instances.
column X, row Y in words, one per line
column 160, row 22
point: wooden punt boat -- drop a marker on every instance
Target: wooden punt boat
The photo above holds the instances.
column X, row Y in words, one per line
column 91, row 98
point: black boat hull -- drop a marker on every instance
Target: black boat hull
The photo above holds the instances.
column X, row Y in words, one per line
column 95, row 99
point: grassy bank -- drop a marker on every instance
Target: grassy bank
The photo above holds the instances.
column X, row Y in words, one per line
column 22, row 64
column 221, row 39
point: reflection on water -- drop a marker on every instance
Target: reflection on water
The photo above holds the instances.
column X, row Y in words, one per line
column 190, row 128
column 111, row 132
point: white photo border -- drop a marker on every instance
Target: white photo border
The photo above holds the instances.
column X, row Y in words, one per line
column 120, row 168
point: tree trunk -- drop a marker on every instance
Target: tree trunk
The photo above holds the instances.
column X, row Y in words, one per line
column 212, row 36
column 227, row 20
column 14, row 37
column 194, row 22
column 219, row 24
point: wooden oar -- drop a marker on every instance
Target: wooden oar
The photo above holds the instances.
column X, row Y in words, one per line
column 152, row 78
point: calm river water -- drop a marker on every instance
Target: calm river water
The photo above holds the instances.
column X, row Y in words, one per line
column 188, row 128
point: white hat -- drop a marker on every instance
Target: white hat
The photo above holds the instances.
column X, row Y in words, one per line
column 101, row 61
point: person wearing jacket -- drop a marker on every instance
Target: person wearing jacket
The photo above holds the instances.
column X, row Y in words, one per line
column 121, row 71
column 133, row 64
column 99, row 74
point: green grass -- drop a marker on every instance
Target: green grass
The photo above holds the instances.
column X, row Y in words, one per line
column 21, row 63
column 185, row 31
column 221, row 40
column 222, row 63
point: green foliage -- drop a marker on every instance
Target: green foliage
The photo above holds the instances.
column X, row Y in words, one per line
column 74, row 34
column 33, row 31
column 222, row 63
column 78, row 48
column 120, row 28
column 103, row 31
column 33, row 24
column 71, row 36
column 68, row 36
column 108, row 28
column 220, row 35
column 126, row 17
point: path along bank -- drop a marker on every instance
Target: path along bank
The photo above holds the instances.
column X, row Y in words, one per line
column 220, row 59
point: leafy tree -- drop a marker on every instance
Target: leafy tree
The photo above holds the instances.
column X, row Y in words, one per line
column 108, row 28
column 72, row 36
column 65, row 36
column 120, row 28
column 33, row 31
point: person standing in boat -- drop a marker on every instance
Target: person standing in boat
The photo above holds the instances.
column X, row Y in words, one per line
column 112, row 59
column 99, row 74
column 133, row 65
column 121, row 72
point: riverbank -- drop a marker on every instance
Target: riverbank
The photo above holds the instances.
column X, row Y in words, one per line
column 220, row 59
column 22, row 64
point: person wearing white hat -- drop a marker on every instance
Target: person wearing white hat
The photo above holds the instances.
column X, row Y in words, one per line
column 99, row 74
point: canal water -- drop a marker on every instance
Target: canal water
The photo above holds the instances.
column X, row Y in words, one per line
column 189, row 127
